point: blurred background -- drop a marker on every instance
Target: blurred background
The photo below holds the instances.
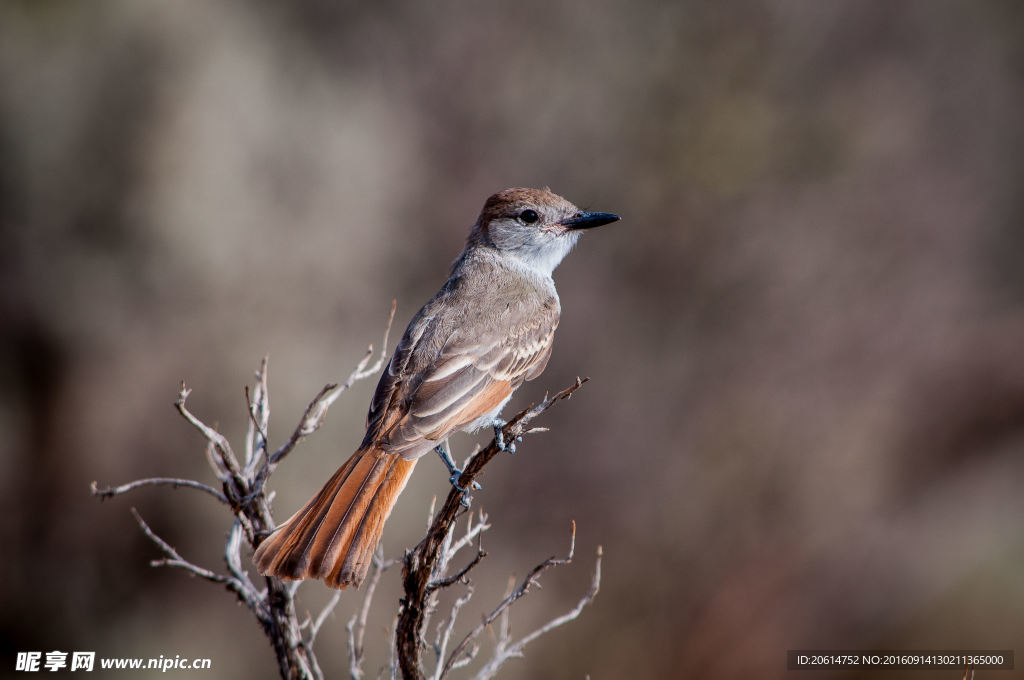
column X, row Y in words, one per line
column 806, row 337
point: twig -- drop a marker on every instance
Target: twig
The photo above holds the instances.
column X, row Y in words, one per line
column 312, row 419
column 444, row 634
column 316, row 624
column 516, row 650
column 455, row 578
column 393, row 660
column 316, row 411
column 173, row 559
column 236, row 487
column 356, row 626
column 421, row 562
column 215, row 438
column 472, row 531
column 258, row 406
column 110, row 491
column 524, row 587
column 243, row 491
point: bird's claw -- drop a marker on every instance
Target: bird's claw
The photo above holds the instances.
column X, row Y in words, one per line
column 499, row 437
column 466, row 498
column 456, row 472
column 454, row 481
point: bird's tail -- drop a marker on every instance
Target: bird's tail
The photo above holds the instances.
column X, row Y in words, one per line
column 335, row 535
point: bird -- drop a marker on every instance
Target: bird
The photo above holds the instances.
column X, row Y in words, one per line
column 489, row 329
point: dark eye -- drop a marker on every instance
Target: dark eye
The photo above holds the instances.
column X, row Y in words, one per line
column 529, row 216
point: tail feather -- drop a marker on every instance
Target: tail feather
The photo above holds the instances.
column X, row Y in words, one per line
column 285, row 553
column 359, row 554
column 334, row 536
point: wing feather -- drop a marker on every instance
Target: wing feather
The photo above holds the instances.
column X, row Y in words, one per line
column 455, row 365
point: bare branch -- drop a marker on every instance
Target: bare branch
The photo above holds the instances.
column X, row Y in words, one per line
column 421, row 563
column 243, row 491
column 356, row 626
column 173, row 559
column 312, row 419
column 258, row 406
column 215, row 438
column 317, row 624
column 455, row 578
column 472, row 531
column 425, row 567
column 216, row 464
column 220, row 445
column 444, row 634
column 316, row 411
column 233, row 558
column 516, row 649
column 361, row 371
column 393, row 662
column 110, row 491
column 524, row 587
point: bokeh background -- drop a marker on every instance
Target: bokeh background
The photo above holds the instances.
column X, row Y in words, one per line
column 806, row 337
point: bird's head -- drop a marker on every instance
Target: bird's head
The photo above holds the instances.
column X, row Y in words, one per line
column 535, row 226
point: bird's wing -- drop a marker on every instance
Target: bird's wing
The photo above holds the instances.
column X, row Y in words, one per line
column 471, row 380
column 476, row 369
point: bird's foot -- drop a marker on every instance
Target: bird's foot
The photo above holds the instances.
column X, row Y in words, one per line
column 466, row 498
column 499, row 437
column 455, row 471
column 454, row 481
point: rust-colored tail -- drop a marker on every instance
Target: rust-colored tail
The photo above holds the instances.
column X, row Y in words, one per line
column 334, row 536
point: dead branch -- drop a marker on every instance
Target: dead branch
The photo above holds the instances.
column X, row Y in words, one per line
column 356, row 626
column 243, row 491
column 421, row 563
column 111, row 491
column 425, row 567
column 504, row 650
column 315, row 413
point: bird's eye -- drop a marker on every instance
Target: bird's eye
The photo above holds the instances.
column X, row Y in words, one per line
column 529, row 216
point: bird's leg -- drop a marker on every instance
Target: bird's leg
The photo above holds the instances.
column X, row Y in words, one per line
column 499, row 436
column 446, row 457
column 454, row 470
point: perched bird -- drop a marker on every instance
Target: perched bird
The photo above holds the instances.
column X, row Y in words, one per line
column 487, row 330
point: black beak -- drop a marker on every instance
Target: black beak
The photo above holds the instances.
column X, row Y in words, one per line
column 589, row 220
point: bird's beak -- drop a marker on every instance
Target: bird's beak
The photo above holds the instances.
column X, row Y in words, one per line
column 589, row 220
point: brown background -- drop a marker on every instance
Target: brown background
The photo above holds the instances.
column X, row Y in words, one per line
column 806, row 336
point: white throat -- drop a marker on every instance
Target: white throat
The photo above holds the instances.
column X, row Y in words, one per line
column 543, row 258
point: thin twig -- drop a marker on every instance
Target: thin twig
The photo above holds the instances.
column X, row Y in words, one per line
column 393, row 661
column 215, row 438
column 233, row 558
column 312, row 419
column 421, row 563
column 220, row 444
column 110, row 491
column 444, row 633
column 472, row 531
column 316, row 411
column 523, row 589
column 356, row 626
column 361, row 371
column 316, row 624
column 455, row 578
column 516, row 649
column 258, row 406
column 173, row 559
